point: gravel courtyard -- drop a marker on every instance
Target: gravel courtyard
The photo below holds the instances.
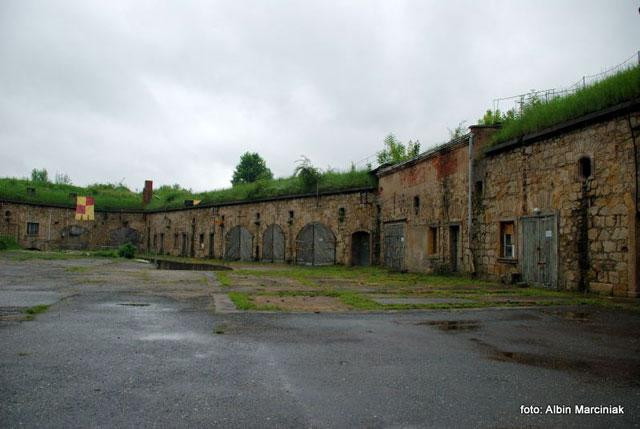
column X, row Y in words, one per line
column 89, row 342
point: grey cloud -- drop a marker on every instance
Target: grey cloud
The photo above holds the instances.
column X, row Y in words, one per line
column 176, row 91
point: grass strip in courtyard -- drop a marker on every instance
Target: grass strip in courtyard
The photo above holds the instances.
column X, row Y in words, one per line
column 31, row 312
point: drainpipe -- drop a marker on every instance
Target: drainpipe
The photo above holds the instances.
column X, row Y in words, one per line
column 470, row 207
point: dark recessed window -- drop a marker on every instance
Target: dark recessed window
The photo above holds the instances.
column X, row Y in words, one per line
column 33, row 228
column 291, row 214
column 341, row 214
column 201, row 239
column 258, row 216
column 479, row 187
column 416, row 205
column 585, row 167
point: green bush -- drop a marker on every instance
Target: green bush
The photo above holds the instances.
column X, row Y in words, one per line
column 8, row 243
column 127, row 251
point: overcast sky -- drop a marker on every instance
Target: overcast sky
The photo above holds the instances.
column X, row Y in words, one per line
column 176, row 91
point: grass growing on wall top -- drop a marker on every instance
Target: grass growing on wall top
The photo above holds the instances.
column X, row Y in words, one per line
column 329, row 181
column 117, row 197
column 538, row 115
column 106, row 196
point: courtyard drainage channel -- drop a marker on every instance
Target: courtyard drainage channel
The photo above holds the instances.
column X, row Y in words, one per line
column 163, row 264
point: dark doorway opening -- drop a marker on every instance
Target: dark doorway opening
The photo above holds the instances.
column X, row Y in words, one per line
column 361, row 248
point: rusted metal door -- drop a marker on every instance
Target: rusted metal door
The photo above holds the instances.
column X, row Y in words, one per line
column 315, row 245
column 361, row 248
column 394, row 246
column 539, row 251
column 239, row 244
column 273, row 244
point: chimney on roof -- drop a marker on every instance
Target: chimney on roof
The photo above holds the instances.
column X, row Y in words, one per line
column 147, row 193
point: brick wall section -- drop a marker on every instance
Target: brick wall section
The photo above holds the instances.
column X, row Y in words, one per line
column 440, row 181
column 198, row 224
column 58, row 229
column 545, row 176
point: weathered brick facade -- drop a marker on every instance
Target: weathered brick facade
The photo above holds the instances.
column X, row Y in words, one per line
column 427, row 197
column 204, row 230
column 558, row 208
column 46, row 227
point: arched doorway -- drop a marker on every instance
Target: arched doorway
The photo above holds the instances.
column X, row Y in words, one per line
column 239, row 243
column 361, row 248
column 273, row 244
column 315, row 245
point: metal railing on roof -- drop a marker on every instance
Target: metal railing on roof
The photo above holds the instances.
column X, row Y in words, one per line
column 517, row 102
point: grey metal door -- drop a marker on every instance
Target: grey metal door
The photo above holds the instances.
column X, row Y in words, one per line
column 539, row 251
column 239, row 244
column 315, row 245
column 394, row 246
column 360, row 248
column 273, row 244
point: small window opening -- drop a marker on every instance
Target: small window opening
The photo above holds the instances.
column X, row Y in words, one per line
column 479, row 187
column 416, row 205
column 175, row 240
column 585, row 167
column 291, row 214
column 507, row 240
column 7, row 213
column 341, row 214
column 33, row 228
column 201, row 238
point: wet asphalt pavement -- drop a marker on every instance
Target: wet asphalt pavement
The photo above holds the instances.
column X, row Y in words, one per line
column 104, row 357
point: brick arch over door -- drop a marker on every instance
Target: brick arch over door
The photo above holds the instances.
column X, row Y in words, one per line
column 238, row 244
column 273, row 244
column 315, row 245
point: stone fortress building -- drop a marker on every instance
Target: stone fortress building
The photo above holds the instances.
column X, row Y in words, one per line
column 558, row 208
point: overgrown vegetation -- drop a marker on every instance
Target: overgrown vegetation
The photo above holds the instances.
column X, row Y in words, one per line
column 127, row 250
column 8, row 243
column 107, row 196
column 395, row 151
column 538, row 114
column 116, row 196
column 31, row 312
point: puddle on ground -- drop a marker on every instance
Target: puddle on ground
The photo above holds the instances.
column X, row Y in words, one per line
column 578, row 316
column 533, row 359
column 622, row 371
column 452, row 325
column 176, row 336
